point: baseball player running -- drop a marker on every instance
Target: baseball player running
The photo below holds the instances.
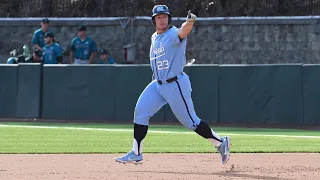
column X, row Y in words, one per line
column 170, row 85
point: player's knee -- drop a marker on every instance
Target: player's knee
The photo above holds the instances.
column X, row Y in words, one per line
column 140, row 117
column 191, row 124
column 141, row 120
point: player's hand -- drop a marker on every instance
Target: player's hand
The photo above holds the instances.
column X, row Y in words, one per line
column 191, row 17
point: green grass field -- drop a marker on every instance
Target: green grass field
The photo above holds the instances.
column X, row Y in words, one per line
column 104, row 138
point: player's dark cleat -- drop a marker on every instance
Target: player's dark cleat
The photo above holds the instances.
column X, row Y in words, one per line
column 130, row 158
column 224, row 149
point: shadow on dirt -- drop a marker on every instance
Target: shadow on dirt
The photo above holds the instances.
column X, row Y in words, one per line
column 224, row 174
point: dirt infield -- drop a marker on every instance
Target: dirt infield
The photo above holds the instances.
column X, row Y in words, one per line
column 160, row 166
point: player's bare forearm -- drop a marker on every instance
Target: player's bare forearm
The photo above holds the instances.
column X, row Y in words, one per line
column 185, row 29
column 187, row 26
column 38, row 47
column 91, row 58
column 71, row 57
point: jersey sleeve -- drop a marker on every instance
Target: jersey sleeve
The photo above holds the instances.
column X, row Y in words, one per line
column 73, row 48
column 93, row 46
column 34, row 39
column 150, row 50
column 151, row 42
column 58, row 50
column 174, row 36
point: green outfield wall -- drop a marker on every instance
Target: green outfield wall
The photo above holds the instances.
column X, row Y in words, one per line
column 285, row 94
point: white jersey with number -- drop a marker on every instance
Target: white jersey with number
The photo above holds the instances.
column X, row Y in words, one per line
column 167, row 54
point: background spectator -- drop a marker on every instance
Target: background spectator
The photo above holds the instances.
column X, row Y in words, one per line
column 82, row 48
column 52, row 53
column 38, row 35
column 105, row 58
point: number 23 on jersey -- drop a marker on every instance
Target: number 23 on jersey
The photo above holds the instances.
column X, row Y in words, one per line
column 161, row 65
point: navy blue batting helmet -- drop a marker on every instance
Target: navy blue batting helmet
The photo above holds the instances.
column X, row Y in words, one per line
column 160, row 9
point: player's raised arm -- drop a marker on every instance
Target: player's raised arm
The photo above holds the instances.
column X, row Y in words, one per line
column 187, row 26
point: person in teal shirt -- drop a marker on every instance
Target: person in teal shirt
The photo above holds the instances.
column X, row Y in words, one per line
column 52, row 52
column 82, row 48
column 38, row 35
column 105, row 58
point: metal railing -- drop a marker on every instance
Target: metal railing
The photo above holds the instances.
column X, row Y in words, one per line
column 121, row 8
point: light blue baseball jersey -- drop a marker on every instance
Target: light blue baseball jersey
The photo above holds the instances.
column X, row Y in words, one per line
column 167, row 54
column 167, row 59
column 38, row 38
column 50, row 53
column 83, row 49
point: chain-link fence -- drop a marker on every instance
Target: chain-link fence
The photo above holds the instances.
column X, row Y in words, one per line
column 116, row 8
